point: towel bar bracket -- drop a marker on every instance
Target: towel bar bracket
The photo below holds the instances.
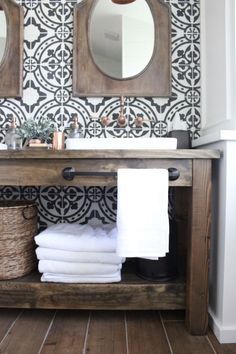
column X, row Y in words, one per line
column 69, row 173
column 173, row 173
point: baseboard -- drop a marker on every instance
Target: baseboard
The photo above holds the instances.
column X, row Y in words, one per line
column 224, row 334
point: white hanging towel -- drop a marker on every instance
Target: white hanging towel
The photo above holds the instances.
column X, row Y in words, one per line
column 142, row 213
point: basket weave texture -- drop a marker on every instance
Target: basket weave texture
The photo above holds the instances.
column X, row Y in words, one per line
column 18, row 226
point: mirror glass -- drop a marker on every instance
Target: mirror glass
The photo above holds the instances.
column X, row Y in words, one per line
column 121, row 37
column 3, row 33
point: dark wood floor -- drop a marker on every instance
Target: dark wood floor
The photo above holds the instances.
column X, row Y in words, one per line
column 101, row 332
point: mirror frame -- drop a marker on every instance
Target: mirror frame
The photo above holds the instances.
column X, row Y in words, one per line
column 153, row 81
column 11, row 66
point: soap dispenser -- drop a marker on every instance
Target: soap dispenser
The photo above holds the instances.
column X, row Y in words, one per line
column 12, row 139
column 75, row 131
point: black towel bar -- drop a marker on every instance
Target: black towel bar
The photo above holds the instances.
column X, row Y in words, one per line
column 69, row 173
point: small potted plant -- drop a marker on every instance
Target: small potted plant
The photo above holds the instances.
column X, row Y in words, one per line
column 35, row 133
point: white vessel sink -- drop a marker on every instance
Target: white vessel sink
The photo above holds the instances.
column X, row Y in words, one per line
column 121, row 143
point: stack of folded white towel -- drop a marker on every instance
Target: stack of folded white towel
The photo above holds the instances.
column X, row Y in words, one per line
column 74, row 253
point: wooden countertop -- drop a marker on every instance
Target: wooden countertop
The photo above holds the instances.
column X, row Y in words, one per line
column 35, row 153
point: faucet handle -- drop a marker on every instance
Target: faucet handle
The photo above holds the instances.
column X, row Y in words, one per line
column 105, row 120
column 139, row 120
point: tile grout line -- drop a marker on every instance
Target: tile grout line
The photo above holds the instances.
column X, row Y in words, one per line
column 126, row 333
column 86, row 334
column 167, row 338
column 11, row 326
column 47, row 332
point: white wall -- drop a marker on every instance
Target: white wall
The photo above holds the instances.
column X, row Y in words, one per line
column 3, row 27
column 106, row 44
column 138, row 44
column 218, row 65
column 222, row 307
column 223, row 260
column 2, row 47
column 218, row 68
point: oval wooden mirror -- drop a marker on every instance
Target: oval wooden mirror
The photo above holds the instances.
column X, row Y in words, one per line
column 121, row 38
column 92, row 74
column 11, row 63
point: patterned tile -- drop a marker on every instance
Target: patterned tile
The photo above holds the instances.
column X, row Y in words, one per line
column 47, row 92
column 9, row 193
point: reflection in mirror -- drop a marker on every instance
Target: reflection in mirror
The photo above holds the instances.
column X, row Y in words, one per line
column 121, row 37
column 3, row 33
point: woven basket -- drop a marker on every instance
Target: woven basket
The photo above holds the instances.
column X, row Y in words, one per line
column 18, row 226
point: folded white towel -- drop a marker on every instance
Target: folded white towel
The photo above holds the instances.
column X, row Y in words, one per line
column 53, row 254
column 77, row 268
column 142, row 213
column 3, row 146
column 76, row 237
column 62, row 278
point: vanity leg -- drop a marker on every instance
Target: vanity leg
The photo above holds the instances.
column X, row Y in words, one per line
column 198, row 248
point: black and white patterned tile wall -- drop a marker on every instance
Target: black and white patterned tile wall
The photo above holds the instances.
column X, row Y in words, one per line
column 48, row 38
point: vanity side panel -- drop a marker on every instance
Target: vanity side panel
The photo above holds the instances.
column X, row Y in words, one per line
column 198, row 248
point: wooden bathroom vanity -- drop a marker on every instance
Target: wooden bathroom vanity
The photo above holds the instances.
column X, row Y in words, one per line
column 190, row 292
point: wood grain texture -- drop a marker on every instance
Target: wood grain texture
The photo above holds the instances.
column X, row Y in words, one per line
column 107, row 154
column 182, row 342
column 30, row 325
column 155, row 80
column 67, row 333
column 145, row 333
column 106, row 333
column 47, row 172
column 132, row 293
column 221, row 348
column 198, row 248
column 7, row 318
column 11, row 66
column 44, row 167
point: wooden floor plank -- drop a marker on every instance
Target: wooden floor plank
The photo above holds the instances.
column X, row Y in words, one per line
column 146, row 333
column 106, row 334
column 221, row 348
column 169, row 315
column 67, row 333
column 7, row 317
column 182, row 342
column 28, row 333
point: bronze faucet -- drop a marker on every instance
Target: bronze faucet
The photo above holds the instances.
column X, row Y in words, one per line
column 122, row 119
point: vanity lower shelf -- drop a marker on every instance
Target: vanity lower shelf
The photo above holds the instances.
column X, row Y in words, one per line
column 131, row 293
